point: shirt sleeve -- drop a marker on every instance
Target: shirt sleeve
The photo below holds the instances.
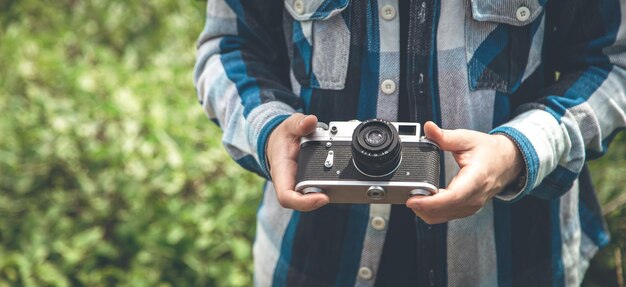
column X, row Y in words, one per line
column 241, row 76
column 578, row 116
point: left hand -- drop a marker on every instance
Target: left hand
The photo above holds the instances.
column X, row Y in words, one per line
column 488, row 164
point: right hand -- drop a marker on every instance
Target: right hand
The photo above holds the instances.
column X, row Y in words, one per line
column 282, row 151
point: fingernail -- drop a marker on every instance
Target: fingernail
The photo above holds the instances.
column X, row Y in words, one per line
column 413, row 205
column 320, row 203
column 302, row 120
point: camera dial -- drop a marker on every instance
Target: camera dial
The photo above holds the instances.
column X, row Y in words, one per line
column 376, row 148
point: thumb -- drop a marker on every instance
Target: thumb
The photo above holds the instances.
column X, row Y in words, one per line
column 302, row 125
column 448, row 140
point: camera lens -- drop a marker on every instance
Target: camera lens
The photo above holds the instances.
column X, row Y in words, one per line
column 375, row 137
column 376, row 148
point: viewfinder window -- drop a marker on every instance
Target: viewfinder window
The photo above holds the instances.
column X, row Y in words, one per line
column 407, row 130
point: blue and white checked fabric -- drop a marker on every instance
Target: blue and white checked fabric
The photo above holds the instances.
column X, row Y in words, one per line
column 486, row 65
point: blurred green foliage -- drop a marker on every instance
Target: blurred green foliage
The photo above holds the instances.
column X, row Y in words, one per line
column 110, row 173
column 609, row 174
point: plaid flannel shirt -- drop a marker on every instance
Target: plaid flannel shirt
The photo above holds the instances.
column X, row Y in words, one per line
column 549, row 74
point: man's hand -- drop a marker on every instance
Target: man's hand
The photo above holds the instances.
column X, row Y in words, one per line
column 282, row 151
column 488, row 164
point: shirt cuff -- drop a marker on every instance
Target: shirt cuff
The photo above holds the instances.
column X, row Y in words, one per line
column 540, row 138
column 520, row 186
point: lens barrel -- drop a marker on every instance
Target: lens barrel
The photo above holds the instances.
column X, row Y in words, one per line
column 376, row 148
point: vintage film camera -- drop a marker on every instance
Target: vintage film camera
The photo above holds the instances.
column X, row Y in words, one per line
column 374, row 161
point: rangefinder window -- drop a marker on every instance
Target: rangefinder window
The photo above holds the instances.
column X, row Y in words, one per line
column 407, row 130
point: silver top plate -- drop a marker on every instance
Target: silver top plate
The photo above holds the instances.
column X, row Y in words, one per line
column 344, row 132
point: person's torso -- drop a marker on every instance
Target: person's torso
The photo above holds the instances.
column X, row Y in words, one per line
column 461, row 63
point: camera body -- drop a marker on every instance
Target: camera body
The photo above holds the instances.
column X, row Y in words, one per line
column 373, row 161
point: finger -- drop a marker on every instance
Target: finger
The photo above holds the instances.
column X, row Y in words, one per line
column 438, row 214
column 300, row 125
column 473, row 183
column 283, row 176
column 466, row 181
column 435, row 204
column 284, row 173
column 302, row 202
column 430, row 220
column 448, row 140
column 450, row 201
column 284, row 183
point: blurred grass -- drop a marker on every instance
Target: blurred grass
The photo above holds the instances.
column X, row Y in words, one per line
column 110, row 174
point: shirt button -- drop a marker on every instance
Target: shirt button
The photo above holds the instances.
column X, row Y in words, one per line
column 378, row 223
column 365, row 273
column 388, row 12
column 522, row 13
column 298, row 6
column 388, row 87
